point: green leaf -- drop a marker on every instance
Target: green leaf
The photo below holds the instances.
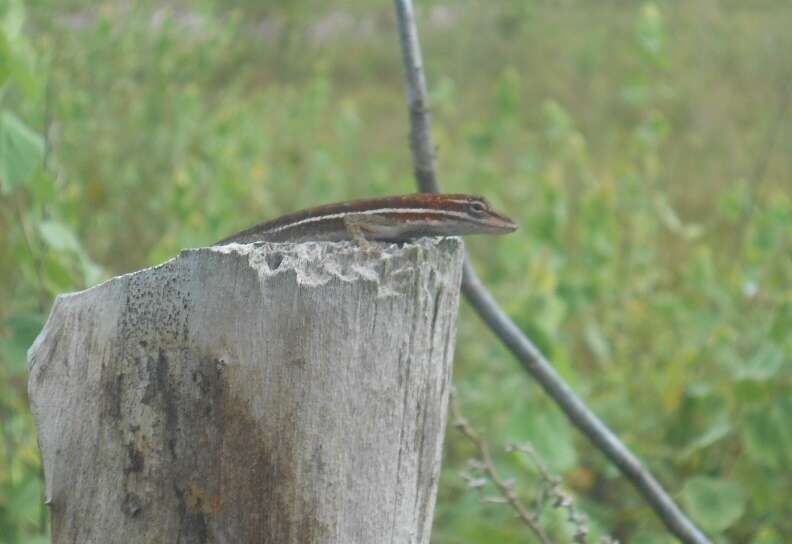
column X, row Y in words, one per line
column 647, row 536
column 13, row 19
column 23, row 328
column 668, row 216
column 763, row 366
column 5, row 59
column 18, row 58
column 62, row 269
column 549, row 434
column 719, row 430
column 782, row 323
column 767, row 436
column 767, row 535
column 37, row 539
column 59, row 274
column 21, row 152
column 59, row 236
column 713, row 502
column 92, row 273
column 596, row 341
column 509, row 92
column 25, row 498
column 734, row 200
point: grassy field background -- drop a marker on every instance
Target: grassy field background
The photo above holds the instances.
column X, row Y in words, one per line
column 644, row 148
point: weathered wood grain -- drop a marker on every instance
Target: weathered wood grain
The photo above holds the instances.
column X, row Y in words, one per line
column 272, row 393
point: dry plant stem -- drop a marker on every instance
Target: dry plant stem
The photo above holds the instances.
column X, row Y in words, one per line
column 506, row 489
column 531, row 359
column 584, row 419
column 552, row 490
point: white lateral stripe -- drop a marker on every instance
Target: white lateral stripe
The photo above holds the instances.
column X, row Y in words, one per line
column 375, row 211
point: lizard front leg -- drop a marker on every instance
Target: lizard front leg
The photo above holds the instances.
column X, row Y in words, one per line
column 356, row 225
column 363, row 227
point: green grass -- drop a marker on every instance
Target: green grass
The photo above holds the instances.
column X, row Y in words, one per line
column 644, row 150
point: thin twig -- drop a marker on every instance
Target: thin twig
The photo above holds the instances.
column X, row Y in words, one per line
column 488, row 467
column 529, row 356
column 552, row 490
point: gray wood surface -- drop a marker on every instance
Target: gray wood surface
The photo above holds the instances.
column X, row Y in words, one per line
column 274, row 393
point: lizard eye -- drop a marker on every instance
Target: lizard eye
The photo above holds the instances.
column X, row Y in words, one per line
column 478, row 207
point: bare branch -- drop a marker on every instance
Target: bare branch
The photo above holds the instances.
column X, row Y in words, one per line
column 417, row 100
column 531, row 359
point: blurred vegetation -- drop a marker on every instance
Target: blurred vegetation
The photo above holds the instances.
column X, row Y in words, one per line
column 645, row 149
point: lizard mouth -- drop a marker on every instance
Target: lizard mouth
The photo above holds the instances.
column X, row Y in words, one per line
column 498, row 224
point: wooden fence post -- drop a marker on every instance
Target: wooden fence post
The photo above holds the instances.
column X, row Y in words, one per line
column 271, row 393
